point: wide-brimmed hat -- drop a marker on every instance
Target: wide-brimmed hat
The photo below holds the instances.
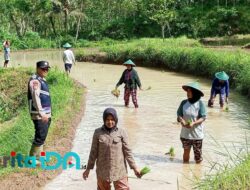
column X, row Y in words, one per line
column 67, row 45
column 129, row 62
column 42, row 64
column 221, row 75
column 194, row 85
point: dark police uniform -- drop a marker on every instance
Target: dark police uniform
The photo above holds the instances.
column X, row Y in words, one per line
column 39, row 105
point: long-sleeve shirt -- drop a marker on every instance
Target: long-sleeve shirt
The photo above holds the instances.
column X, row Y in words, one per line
column 110, row 151
column 68, row 57
column 220, row 88
column 130, row 78
column 35, row 88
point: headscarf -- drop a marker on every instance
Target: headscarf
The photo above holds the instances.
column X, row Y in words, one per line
column 106, row 113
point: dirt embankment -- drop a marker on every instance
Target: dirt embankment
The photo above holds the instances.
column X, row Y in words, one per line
column 33, row 179
column 96, row 57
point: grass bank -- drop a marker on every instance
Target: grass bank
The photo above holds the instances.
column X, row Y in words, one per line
column 233, row 175
column 188, row 56
column 181, row 55
column 17, row 133
column 233, row 179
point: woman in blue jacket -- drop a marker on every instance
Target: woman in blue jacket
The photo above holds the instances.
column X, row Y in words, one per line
column 220, row 86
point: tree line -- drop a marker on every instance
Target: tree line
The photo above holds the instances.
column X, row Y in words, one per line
column 123, row 19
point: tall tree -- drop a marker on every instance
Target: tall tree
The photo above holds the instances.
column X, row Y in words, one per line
column 163, row 12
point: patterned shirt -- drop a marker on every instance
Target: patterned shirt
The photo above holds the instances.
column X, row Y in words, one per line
column 130, row 78
column 110, row 151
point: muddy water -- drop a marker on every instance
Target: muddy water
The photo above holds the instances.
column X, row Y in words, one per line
column 152, row 128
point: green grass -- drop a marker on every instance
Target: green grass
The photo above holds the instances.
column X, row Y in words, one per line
column 19, row 135
column 12, row 92
column 233, row 179
column 233, row 173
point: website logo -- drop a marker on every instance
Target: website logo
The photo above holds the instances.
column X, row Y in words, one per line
column 47, row 161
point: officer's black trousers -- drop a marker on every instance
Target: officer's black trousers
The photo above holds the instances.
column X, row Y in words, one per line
column 41, row 131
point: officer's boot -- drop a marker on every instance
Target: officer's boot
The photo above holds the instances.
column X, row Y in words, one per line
column 35, row 151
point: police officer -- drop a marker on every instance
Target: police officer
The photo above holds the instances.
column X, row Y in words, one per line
column 39, row 107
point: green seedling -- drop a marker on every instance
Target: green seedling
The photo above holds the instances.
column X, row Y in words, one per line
column 116, row 92
column 171, row 152
column 227, row 108
column 144, row 170
column 189, row 121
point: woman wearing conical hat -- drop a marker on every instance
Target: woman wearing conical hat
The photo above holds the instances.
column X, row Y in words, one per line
column 191, row 114
column 220, row 86
column 131, row 80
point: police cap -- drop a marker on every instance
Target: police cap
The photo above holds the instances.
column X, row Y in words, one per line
column 42, row 64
